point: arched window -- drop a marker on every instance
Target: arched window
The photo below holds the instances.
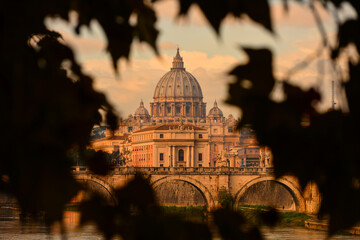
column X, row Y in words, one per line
column 181, row 155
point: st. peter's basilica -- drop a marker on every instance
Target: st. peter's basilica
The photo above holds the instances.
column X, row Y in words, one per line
column 178, row 133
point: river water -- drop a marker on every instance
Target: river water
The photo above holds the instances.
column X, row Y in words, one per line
column 11, row 229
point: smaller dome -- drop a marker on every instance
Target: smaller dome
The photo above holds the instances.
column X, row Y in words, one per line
column 215, row 111
column 141, row 111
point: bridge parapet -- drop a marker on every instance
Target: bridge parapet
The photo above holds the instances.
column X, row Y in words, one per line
column 182, row 170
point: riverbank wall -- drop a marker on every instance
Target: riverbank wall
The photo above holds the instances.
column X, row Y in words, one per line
column 324, row 226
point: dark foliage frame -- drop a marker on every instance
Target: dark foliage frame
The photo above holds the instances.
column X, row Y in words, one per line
column 48, row 112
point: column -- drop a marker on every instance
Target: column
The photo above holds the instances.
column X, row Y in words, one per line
column 173, row 157
column 155, row 156
column 188, row 162
column 168, row 157
column 192, row 109
column 193, row 156
column 232, row 163
column 197, row 110
column 204, row 111
column 208, row 156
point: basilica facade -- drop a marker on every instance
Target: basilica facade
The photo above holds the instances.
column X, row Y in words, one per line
column 178, row 131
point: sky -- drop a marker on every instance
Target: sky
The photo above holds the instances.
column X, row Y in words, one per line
column 207, row 56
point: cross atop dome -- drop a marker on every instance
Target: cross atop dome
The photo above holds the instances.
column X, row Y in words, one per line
column 178, row 61
column 177, row 53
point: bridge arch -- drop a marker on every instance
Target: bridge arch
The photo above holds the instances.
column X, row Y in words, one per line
column 195, row 183
column 99, row 184
column 289, row 186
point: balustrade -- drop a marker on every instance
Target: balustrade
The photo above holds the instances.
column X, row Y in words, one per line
column 181, row 170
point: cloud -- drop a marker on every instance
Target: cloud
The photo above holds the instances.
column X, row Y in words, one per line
column 143, row 47
column 139, row 80
column 299, row 15
column 296, row 30
column 84, row 46
column 90, row 42
column 318, row 72
column 167, row 46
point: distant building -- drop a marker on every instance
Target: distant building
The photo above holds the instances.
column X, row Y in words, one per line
column 248, row 153
column 112, row 143
column 98, row 132
column 177, row 131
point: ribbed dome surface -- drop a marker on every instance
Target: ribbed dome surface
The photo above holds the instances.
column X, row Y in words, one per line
column 178, row 82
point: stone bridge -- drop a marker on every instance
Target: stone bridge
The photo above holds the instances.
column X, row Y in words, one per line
column 208, row 182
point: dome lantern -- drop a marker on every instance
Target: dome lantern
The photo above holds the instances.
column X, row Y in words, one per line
column 178, row 62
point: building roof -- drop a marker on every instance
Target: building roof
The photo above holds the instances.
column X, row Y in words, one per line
column 171, row 127
column 124, row 137
column 178, row 82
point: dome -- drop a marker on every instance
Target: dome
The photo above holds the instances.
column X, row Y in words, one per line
column 141, row 111
column 215, row 111
column 178, row 95
column 178, row 83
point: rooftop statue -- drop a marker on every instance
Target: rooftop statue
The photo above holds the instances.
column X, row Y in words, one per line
column 221, row 160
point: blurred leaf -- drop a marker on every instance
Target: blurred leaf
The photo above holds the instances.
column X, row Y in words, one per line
column 145, row 27
column 352, row 87
column 251, row 90
column 96, row 160
column 232, row 225
column 270, row 217
column 345, row 36
column 50, row 106
column 139, row 193
column 215, row 12
column 97, row 210
column 111, row 120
